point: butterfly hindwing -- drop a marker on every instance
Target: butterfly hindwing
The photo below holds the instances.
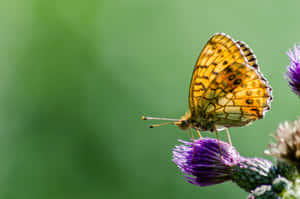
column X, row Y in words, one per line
column 251, row 58
column 227, row 87
column 243, row 96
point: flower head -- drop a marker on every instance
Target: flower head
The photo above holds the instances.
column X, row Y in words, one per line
column 201, row 159
column 293, row 71
column 288, row 143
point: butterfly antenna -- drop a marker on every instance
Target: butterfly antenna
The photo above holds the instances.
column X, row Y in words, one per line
column 157, row 125
column 159, row 118
column 171, row 121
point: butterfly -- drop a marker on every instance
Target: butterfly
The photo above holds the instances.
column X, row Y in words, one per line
column 227, row 88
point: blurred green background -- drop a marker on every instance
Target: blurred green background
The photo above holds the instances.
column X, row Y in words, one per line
column 76, row 77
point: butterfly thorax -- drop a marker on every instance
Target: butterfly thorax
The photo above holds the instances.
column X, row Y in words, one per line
column 197, row 122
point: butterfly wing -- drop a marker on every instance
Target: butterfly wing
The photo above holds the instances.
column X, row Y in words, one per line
column 243, row 96
column 248, row 53
column 227, row 87
column 219, row 52
column 251, row 59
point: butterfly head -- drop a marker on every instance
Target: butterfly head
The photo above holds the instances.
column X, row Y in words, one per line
column 185, row 122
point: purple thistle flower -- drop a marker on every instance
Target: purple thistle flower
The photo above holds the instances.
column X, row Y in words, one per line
column 293, row 70
column 201, row 159
column 202, row 163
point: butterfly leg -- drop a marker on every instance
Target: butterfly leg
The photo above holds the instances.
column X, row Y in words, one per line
column 219, row 145
column 228, row 136
column 200, row 136
column 191, row 133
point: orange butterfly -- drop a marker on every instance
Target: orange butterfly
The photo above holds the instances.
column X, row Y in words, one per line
column 227, row 89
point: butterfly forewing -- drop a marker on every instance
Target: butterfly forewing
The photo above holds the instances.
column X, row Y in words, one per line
column 219, row 52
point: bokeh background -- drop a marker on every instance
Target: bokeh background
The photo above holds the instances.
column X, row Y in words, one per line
column 76, row 77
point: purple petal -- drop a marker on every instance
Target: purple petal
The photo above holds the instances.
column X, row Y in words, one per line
column 293, row 70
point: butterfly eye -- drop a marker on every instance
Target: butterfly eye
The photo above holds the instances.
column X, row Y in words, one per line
column 184, row 123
